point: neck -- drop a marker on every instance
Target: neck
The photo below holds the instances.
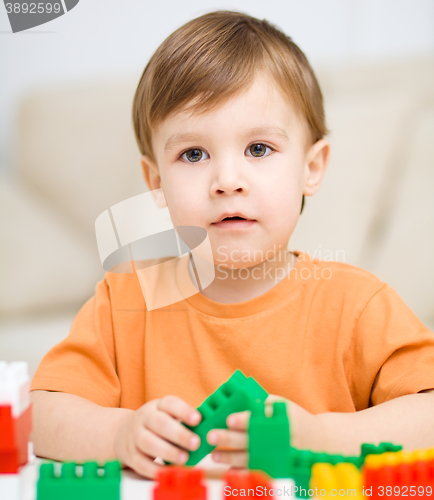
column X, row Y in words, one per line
column 237, row 285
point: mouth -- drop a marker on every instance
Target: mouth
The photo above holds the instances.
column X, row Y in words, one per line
column 234, row 221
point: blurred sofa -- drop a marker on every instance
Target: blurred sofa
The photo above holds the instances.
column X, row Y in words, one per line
column 75, row 155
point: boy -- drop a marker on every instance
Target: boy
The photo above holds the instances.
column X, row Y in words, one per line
column 229, row 119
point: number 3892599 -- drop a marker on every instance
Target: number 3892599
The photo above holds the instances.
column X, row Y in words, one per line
column 404, row 491
column 33, row 8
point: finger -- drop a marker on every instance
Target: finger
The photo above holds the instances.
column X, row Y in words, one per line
column 238, row 421
column 231, row 439
column 154, row 446
column 178, row 408
column 234, row 458
column 144, row 465
column 168, row 428
column 272, row 398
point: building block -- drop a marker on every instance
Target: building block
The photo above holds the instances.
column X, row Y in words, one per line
column 401, row 469
column 372, row 449
column 270, row 450
column 322, row 480
column 301, row 462
column 246, row 484
column 180, row 483
column 14, row 386
column 378, row 472
column 14, row 438
column 15, row 415
column 283, row 487
column 12, row 486
column 93, row 484
column 239, row 393
column 300, row 466
column 329, row 481
column 269, row 440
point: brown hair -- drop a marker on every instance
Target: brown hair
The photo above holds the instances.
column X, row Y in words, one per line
column 215, row 57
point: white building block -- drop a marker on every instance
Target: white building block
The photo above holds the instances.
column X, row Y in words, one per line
column 215, row 489
column 14, row 386
column 11, row 486
column 284, row 488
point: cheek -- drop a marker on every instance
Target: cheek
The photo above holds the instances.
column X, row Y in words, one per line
column 179, row 208
column 281, row 196
column 185, row 201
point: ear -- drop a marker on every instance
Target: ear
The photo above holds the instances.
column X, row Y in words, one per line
column 317, row 160
column 152, row 178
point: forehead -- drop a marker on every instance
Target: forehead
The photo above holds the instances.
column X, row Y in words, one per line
column 261, row 108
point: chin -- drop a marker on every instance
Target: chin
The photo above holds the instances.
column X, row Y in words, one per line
column 235, row 264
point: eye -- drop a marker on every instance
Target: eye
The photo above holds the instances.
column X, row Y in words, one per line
column 193, row 155
column 258, row 150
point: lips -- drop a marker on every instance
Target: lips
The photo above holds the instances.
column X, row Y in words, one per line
column 232, row 216
column 235, row 221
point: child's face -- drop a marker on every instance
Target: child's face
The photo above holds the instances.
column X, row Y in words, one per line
column 228, row 167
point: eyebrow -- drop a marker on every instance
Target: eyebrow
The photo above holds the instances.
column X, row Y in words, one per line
column 176, row 139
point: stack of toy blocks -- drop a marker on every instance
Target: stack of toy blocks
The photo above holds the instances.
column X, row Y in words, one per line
column 239, row 393
column 180, row 483
column 302, row 461
column 93, row 483
column 15, row 426
column 270, row 449
column 385, row 474
column 403, row 473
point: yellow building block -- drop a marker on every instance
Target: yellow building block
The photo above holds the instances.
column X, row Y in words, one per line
column 392, row 459
column 329, row 482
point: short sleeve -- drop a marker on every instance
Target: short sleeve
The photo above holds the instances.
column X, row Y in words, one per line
column 392, row 352
column 84, row 363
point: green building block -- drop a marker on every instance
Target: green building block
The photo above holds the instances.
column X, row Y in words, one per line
column 239, row 393
column 91, row 485
column 372, row 449
column 269, row 440
column 300, row 465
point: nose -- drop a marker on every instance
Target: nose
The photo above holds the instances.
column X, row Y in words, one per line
column 229, row 178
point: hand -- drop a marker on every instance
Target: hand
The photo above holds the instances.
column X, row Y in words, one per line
column 236, row 437
column 155, row 430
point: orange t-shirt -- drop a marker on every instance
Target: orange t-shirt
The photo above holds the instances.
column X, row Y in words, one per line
column 329, row 336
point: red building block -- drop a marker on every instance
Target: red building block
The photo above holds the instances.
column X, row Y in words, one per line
column 376, row 479
column 14, row 438
column 430, row 472
column 419, row 476
column 411, row 476
column 179, row 483
column 246, row 484
column 403, row 474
